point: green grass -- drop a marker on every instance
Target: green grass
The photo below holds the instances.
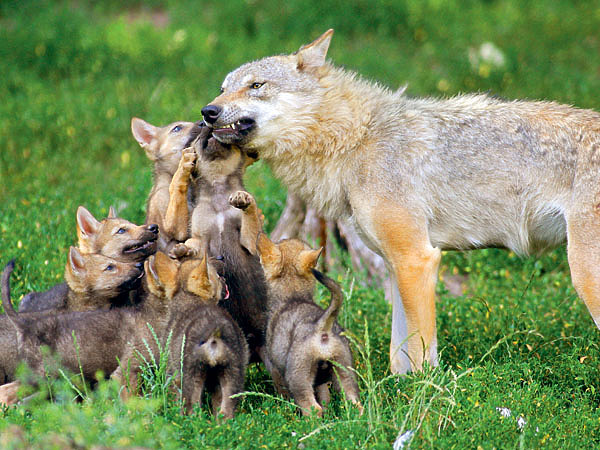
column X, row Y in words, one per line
column 73, row 75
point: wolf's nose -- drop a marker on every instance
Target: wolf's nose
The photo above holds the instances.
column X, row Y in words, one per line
column 153, row 228
column 211, row 113
column 139, row 265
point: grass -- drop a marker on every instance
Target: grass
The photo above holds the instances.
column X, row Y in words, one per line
column 73, row 75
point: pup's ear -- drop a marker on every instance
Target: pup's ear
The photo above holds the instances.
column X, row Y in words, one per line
column 87, row 227
column 112, row 214
column 312, row 56
column 198, row 282
column 75, row 270
column 166, row 272
column 144, row 133
column 152, row 280
column 307, row 260
column 270, row 256
column 76, row 262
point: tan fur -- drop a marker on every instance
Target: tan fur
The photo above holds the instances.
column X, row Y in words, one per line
column 168, row 203
column 114, row 237
column 465, row 172
column 95, row 280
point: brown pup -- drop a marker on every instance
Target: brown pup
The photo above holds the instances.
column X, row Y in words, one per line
column 116, row 241
column 302, row 339
column 94, row 282
column 215, row 353
column 169, row 201
column 100, row 336
column 216, row 227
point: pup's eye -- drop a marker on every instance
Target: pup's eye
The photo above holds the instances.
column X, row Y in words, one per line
column 121, row 230
column 176, row 128
column 109, row 268
column 256, row 85
column 221, row 90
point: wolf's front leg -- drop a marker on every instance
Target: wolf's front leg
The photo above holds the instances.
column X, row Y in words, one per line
column 404, row 242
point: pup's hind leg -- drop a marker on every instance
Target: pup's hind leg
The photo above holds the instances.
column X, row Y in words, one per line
column 192, row 392
column 405, row 244
column 345, row 379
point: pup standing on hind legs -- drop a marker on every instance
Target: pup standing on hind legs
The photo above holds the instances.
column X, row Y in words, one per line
column 169, row 203
column 305, row 348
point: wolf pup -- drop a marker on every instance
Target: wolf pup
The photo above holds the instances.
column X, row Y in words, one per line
column 418, row 176
column 302, row 339
column 100, row 335
column 216, row 228
column 93, row 282
column 116, row 242
column 215, row 353
column 168, row 204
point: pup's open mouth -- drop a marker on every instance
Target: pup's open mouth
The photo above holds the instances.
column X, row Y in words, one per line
column 144, row 246
column 233, row 131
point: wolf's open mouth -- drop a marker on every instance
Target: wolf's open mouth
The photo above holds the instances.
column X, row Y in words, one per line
column 236, row 129
column 140, row 247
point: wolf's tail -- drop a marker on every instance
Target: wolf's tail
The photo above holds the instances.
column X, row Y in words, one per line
column 6, row 301
column 325, row 323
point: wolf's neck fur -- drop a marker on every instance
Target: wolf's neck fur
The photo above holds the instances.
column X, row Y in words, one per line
column 309, row 147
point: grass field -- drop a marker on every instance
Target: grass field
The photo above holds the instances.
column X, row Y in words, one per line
column 74, row 73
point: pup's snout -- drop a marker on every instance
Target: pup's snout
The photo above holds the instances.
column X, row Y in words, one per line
column 153, row 228
column 211, row 113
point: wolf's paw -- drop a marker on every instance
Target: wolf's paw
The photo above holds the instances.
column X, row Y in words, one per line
column 188, row 159
column 180, row 251
column 241, row 199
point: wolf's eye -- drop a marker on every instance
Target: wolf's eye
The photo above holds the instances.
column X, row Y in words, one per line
column 121, row 230
column 109, row 267
column 256, row 85
column 176, row 128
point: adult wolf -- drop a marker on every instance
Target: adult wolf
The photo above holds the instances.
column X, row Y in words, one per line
column 418, row 176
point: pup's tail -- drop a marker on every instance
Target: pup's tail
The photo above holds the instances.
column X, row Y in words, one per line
column 6, row 301
column 325, row 323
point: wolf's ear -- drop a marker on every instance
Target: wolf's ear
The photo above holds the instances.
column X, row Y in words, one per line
column 112, row 214
column 270, row 256
column 87, row 227
column 143, row 132
column 166, row 271
column 307, row 260
column 311, row 56
column 198, row 282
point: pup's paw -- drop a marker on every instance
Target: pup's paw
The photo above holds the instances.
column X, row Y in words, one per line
column 241, row 200
column 180, row 251
column 188, row 159
column 8, row 393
